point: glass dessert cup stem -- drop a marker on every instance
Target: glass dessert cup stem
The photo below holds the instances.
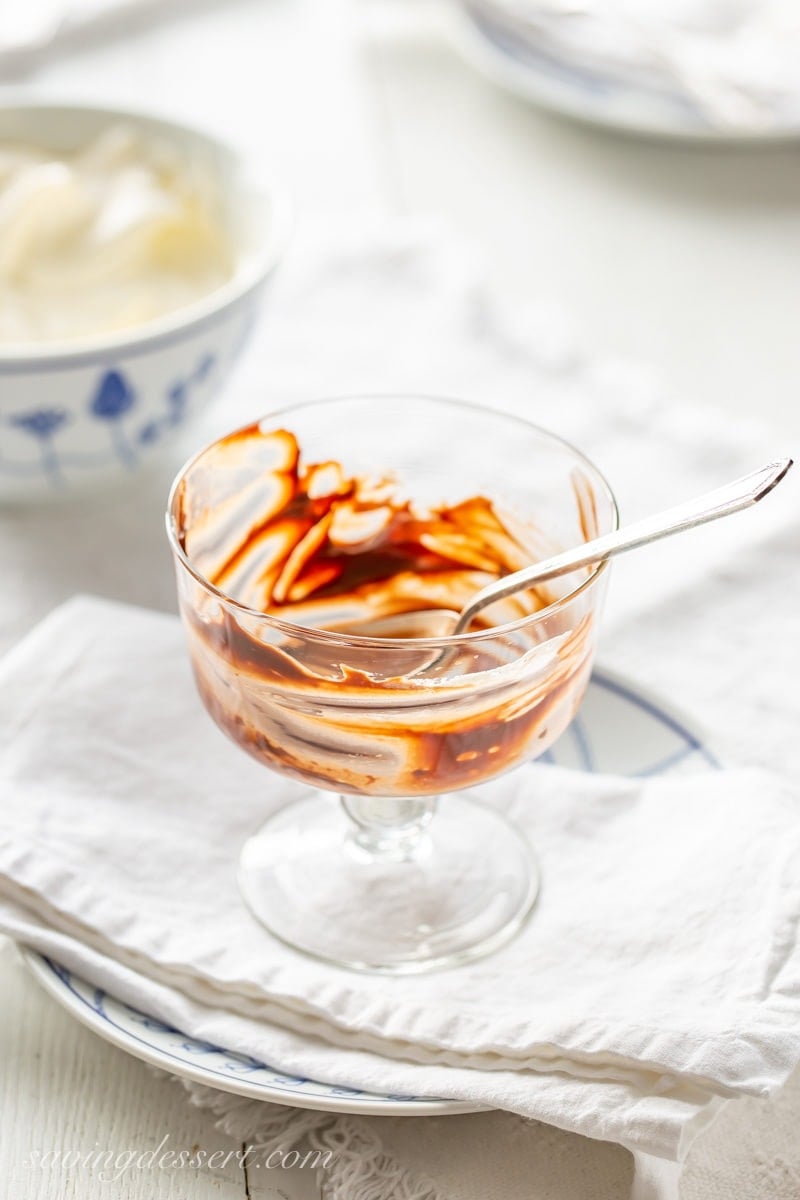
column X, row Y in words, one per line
column 392, row 828
column 391, row 885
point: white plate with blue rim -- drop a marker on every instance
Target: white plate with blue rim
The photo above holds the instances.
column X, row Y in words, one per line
column 587, row 94
column 621, row 729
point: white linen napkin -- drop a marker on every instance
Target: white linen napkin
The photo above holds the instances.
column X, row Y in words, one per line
column 649, row 966
column 30, row 32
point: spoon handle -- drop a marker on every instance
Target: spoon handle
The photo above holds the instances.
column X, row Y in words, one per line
column 708, row 507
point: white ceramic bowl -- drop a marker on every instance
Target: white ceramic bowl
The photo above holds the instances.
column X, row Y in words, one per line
column 74, row 415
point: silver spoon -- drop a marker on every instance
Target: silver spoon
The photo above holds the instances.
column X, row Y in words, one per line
column 723, row 501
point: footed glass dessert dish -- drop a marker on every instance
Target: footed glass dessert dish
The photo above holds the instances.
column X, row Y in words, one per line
column 317, row 552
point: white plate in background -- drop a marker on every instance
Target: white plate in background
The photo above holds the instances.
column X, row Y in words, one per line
column 538, row 75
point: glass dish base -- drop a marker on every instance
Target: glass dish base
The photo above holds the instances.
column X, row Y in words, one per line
column 435, row 894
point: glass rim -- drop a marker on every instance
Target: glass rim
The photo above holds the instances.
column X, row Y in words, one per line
column 364, row 641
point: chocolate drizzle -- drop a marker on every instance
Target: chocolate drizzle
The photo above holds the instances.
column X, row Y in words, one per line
column 325, row 550
column 313, row 544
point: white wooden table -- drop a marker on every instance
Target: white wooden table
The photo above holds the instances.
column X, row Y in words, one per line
column 685, row 259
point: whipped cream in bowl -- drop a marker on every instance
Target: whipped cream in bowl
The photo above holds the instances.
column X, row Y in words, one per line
column 107, row 238
column 133, row 256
